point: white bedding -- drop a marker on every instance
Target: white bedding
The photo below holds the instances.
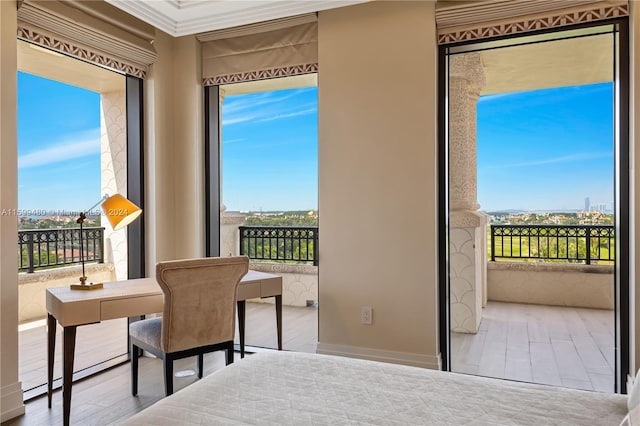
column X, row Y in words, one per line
column 298, row 389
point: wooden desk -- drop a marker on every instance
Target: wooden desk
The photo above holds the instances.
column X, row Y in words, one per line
column 129, row 298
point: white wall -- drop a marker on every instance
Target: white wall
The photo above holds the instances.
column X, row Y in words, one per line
column 377, row 162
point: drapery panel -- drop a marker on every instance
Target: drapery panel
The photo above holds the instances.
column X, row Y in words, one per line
column 459, row 21
column 278, row 48
column 92, row 31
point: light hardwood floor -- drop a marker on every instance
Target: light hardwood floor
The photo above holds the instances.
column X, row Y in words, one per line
column 106, row 340
column 559, row 346
column 570, row 347
column 106, row 398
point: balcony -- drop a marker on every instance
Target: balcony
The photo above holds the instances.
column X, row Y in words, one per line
column 543, row 321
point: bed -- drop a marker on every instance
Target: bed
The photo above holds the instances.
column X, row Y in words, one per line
column 297, row 388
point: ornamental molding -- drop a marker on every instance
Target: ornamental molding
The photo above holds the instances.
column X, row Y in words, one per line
column 261, row 75
column 79, row 52
column 284, row 268
column 447, row 36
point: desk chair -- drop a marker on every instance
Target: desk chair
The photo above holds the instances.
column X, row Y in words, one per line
column 198, row 317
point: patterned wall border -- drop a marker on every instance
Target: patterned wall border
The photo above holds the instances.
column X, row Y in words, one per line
column 261, row 75
column 79, row 52
column 553, row 21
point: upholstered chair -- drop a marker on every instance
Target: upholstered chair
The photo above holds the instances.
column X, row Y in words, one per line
column 198, row 317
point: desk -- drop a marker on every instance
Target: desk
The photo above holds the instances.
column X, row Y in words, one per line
column 129, row 298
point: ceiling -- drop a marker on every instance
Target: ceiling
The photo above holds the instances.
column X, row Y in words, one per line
column 184, row 17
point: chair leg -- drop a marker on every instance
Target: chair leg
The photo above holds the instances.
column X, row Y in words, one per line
column 168, row 375
column 229, row 353
column 134, row 369
column 200, row 365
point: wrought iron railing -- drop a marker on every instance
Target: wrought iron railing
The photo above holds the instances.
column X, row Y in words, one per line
column 47, row 248
column 280, row 243
column 569, row 243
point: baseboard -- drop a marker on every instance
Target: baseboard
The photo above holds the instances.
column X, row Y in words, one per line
column 11, row 401
column 394, row 357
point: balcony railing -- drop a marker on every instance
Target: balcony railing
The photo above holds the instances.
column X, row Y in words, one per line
column 280, row 243
column 47, row 248
column 568, row 243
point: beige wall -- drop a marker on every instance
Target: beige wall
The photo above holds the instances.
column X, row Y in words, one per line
column 377, row 158
column 174, row 152
column 10, row 388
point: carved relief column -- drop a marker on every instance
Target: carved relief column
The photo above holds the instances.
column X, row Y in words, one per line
column 113, row 177
column 468, row 227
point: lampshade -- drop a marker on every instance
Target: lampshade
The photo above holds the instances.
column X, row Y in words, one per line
column 119, row 211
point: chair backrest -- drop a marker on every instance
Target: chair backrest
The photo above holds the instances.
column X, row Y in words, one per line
column 199, row 300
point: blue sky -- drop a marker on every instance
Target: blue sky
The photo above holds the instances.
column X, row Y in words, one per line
column 539, row 150
column 546, row 149
column 58, row 145
column 270, row 150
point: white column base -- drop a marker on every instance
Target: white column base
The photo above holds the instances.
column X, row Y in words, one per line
column 467, row 270
column 11, row 401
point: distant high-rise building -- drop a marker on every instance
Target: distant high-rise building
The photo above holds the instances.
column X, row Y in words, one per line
column 587, row 204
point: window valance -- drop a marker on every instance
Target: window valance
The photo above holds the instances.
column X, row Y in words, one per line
column 459, row 21
column 93, row 31
column 278, row 48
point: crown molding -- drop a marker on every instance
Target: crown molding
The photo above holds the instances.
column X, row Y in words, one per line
column 185, row 17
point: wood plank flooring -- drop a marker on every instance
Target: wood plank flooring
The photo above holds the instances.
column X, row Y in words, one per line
column 570, row 347
column 99, row 342
column 558, row 346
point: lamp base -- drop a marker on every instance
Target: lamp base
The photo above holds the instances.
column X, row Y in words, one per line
column 84, row 286
column 92, row 286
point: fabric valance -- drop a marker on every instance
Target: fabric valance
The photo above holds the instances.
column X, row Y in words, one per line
column 92, row 31
column 271, row 49
column 459, row 21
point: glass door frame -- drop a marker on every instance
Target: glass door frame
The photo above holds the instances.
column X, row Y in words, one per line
column 622, row 196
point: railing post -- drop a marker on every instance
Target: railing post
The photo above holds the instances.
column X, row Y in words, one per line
column 241, row 240
column 493, row 245
column 30, row 252
column 101, row 239
column 588, row 257
column 315, row 247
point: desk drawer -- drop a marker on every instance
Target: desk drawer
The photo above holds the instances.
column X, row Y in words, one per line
column 249, row 291
column 132, row 306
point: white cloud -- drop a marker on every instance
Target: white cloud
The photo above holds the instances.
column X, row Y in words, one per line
column 72, row 148
column 564, row 159
column 261, row 107
column 228, row 141
column 290, row 114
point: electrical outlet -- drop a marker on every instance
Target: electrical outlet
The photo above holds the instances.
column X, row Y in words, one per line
column 366, row 315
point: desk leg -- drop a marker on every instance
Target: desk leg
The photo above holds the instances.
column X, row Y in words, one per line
column 51, row 351
column 241, row 317
column 67, row 375
column 279, row 320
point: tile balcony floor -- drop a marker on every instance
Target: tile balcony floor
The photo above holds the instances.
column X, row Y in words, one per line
column 561, row 346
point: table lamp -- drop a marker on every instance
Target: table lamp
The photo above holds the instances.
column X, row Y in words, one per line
column 119, row 212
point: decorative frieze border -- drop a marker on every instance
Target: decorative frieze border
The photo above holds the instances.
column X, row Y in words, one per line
column 261, row 75
column 79, row 52
column 446, row 36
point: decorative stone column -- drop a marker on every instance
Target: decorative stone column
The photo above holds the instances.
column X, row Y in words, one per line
column 468, row 227
column 229, row 235
column 113, row 176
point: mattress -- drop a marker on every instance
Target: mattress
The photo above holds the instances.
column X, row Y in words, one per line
column 294, row 388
